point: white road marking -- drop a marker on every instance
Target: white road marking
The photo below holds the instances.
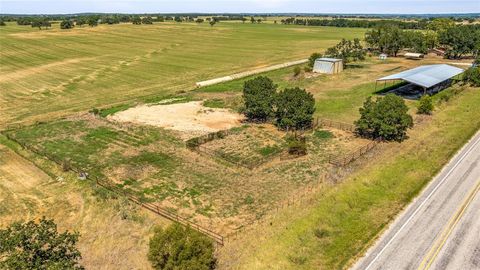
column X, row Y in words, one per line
column 423, row 203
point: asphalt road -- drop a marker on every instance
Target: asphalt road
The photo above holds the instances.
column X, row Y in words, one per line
column 441, row 228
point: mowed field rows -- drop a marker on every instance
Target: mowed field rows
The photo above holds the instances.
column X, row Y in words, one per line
column 45, row 73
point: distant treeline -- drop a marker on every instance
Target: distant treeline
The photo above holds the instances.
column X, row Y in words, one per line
column 69, row 21
column 421, row 24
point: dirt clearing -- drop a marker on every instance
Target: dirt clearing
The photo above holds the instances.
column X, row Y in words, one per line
column 191, row 118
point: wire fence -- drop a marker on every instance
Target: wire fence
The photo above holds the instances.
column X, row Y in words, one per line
column 320, row 122
column 155, row 208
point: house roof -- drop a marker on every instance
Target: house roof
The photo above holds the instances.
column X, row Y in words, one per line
column 326, row 59
column 426, row 76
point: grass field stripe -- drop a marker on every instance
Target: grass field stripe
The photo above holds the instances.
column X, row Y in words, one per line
column 433, row 253
column 425, row 201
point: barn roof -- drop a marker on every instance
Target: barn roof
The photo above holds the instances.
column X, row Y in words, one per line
column 326, row 59
column 426, row 76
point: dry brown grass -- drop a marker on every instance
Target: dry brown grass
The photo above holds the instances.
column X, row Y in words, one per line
column 107, row 240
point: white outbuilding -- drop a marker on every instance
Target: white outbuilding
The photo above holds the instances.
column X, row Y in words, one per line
column 328, row 65
column 383, row 56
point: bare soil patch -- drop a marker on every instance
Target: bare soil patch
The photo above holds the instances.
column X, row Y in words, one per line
column 190, row 119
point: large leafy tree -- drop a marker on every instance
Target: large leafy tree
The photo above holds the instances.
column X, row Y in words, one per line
column 137, row 20
column 66, row 24
column 461, row 40
column 348, row 50
column 259, row 98
column 178, row 247
column 294, row 109
column 385, row 118
column 34, row 245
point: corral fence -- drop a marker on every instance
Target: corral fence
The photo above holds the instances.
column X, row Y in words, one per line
column 168, row 214
column 346, row 159
column 320, row 122
column 343, row 160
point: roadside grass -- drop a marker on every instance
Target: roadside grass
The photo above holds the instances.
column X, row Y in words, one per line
column 347, row 217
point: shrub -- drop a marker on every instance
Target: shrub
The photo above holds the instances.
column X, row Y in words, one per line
column 312, row 58
column 308, row 69
column 386, row 118
column 33, row 245
column 425, row 105
column 297, row 145
column 323, row 134
column 472, row 76
column 181, row 248
column 94, row 111
column 66, row 24
column 294, row 109
column 296, row 71
column 259, row 97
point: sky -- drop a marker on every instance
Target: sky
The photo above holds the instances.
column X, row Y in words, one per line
column 240, row 6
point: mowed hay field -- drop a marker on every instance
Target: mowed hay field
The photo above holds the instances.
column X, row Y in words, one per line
column 45, row 73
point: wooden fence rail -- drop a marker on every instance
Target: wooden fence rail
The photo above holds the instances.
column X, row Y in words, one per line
column 346, row 159
column 111, row 187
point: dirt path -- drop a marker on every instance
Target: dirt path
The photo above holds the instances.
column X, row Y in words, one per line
column 249, row 73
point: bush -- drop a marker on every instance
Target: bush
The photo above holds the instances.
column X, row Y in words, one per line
column 386, row 118
column 259, row 97
column 312, row 58
column 66, row 24
column 308, row 69
column 296, row 71
column 425, row 105
column 181, row 248
column 472, row 76
column 297, row 145
column 294, row 109
column 33, row 245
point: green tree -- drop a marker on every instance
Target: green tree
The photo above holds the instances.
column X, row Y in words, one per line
column 244, row 19
column 2, row 23
column 312, row 58
column 181, row 248
column 252, row 20
column 199, row 20
column 147, row 20
column 472, row 76
column 259, row 98
column 431, row 39
column 34, row 245
column 177, row 19
column 425, row 105
column 66, row 24
column 80, row 21
column 92, row 21
column 294, row 109
column 387, row 39
column 461, row 40
column 440, row 24
column 415, row 40
column 137, row 20
column 385, row 118
column 348, row 50
column 212, row 22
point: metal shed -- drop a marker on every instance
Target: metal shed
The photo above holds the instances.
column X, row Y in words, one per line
column 429, row 77
column 328, row 65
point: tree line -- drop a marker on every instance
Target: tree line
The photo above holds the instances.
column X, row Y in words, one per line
column 457, row 40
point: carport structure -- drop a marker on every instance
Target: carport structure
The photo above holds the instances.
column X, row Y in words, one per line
column 426, row 77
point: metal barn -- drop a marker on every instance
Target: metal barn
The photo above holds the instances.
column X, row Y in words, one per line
column 328, row 65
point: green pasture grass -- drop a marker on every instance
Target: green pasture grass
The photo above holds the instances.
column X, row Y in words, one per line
column 76, row 70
